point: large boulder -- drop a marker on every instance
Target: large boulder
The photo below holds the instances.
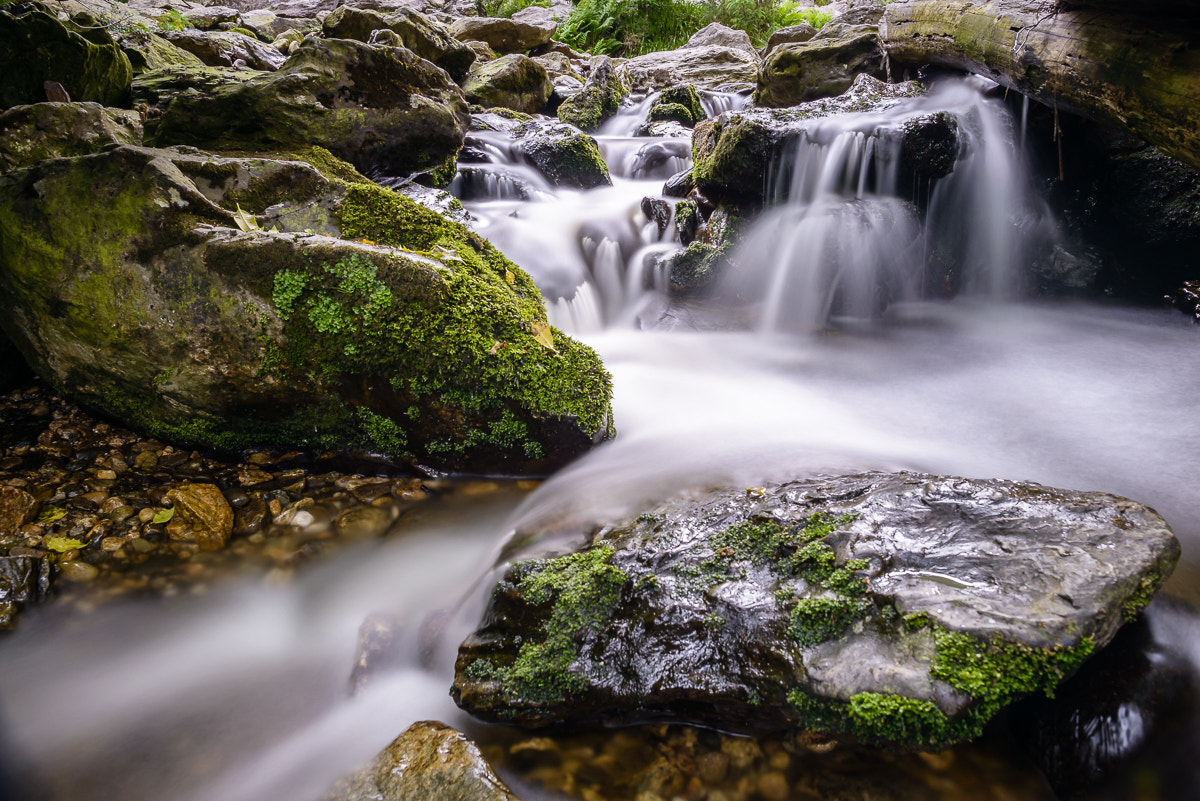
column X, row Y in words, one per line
column 563, row 153
column 226, row 48
column 1106, row 61
column 149, row 51
column 429, row 760
column 137, row 282
column 29, row 134
column 598, row 100
column 902, row 610
column 705, row 67
column 823, row 67
column 156, row 88
column 721, row 35
column 800, row 32
column 514, row 82
column 503, row 35
column 35, row 47
column 427, row 38
column 384, row 109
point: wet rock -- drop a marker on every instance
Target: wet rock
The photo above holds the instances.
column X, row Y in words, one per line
column 24, row 580
column 503, row 35
column 16, row 509
column 427, row 38
column 426, row 355
column 679, row 185
column 226, row 49
column 705, row 67
column 679, row 103
column 35, row 47
column 902, row 610
column 202, row 515
column 1187, row 299
column 694, row 269
column 823, row 67
column 29, row 134
column 598, row 100
column 395, row 114
column 657, row 211
column 514, row 82
column 429, row 760
column 929, row 146
column 718, row 35
column 563, row 153
column 789, row 35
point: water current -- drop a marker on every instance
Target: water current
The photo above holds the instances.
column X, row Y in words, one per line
column 242, row 694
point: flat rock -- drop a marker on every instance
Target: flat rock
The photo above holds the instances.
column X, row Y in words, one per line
column 226, row 48
column 29, row 134
column 704, row 66
column 900, row 609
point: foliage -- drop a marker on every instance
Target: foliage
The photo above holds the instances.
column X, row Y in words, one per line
column 633, row 27
column 506, row 8
column 172, row 20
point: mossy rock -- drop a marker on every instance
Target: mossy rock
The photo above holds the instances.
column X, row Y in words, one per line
column 898, row 610
column 383, row 109
column 130, row 287
column 514, row 82
column 683, row 103
column 801, row 71
column 148, row 51
column 36, row 47
column 730, row 152
column 156, row 88
column 29, row 134
column 598, row 100
column 564, row 154
column 427, row 38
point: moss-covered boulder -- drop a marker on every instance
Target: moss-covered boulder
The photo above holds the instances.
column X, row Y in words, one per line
column 563, row 153
column 427, row 38
column 149, row 51
column 29, row 134
column 226, row 49
column 35, row 47
column 896, row 609
column 503, row 35
column 801, row 71
column 599, row 99
column 384, row 109
column 514, row 82
column 683, row 105
column 156, row 88
column 129, row 284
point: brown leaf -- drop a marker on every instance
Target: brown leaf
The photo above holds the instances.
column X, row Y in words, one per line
column 543, row 335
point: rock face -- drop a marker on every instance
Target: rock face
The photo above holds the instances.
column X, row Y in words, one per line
column 1108, row 62
column 24, row 580
column 705, row 67
column 35, row 47
column 128, row 285
column 29, row 134
column 225, row 48
column 503, row 35
column 429, row 760
column 428, row 39
column 789, row 35
column 801, row 71
column 564, row 154
column 514, row 82
column 721, row 35
column 599, row 98
column 384, row 109
column 897, row 609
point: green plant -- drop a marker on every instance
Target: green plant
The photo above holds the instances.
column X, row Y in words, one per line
column 506, row 8
column 172, row 20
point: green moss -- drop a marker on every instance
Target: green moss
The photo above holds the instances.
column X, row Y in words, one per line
column 916, row 621
column 1141, row 597
column 580, row 590
column 995, row 673
column 874, row 717
column 387, row 435
column 670, row 112
column 815, row 620
column 687, row 99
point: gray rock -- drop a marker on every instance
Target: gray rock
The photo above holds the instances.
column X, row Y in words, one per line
column 148, row 51
column 563, row 153
column 722, row 36
column 264, row 23
column 821, row 67
column 29, row 134
column 428, row 761
column 514, row 82
column 597, row 100
column 705, row 67
column 902, row 609
column 792, row 33
column 503, row 35
column 207, row 18
column 427, row 38
column 225, row 48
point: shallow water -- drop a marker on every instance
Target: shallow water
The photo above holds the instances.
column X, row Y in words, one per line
column 244, row 694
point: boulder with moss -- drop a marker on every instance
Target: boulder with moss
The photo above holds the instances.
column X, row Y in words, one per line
column 153, row 90
column 226, row 49
column 140, row 283
column 514, row 82
column 386, row 110
column 427, row 38
column 563, row 153
column 149, row 51
column 503, row 35
column 895, row 609
column 29, row 134
column 598, row 100
column 35, row 47
column 821, row 67
column 678, row 103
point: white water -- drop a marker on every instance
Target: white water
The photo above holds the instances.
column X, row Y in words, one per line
column 242, row 695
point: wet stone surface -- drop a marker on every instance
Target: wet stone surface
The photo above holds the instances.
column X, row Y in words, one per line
column 902, row 610
column 91, row 512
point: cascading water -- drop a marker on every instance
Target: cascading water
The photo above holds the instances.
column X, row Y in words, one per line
column 242, row 695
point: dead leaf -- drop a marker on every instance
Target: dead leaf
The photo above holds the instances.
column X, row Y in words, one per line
column 510, row 278
column 245, row 221
column 543, row 335
column 365, row 242
column 446, row 253
column 499, row 346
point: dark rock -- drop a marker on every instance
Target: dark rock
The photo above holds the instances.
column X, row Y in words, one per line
column 657, row 211
column 802, row 71
column 24, row 580
column 385, row 110
column 29, row 134
column 679, row 185
column 897, row 609
column 679, row 103
column 599, row 99
column 514, row 82
column 1187, row 299
column 929, row 146
column 429, row 760
column 156, row 88
column 694, row 269
column 232, row 339
column 226, row 48
column 563, row 153
column 36, row 47
column 427, row 38
column 503, row 35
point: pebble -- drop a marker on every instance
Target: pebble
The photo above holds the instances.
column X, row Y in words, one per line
column 77, row 571
column 112, row 543
column 106, row 475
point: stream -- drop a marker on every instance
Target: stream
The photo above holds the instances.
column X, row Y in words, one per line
column 242, row 694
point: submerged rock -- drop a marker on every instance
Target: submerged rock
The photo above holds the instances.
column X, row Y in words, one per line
column 902, row 610
column 429, row 760
column 24, row 580
column 820, row 67
column 128, row 285
column 29, row 134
